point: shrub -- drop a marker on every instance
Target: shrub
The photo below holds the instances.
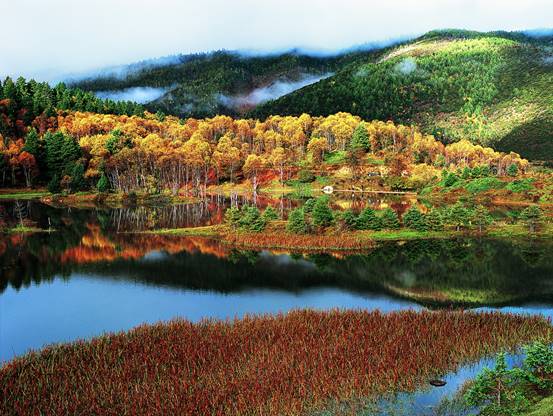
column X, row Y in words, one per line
column 520, row 185
column 269, row 214
column 414, row 219
column 458, row 216
column 232, row 217
column 434, row 220
column 481, row 218
column 103, row 183
column 321, row 213
column 538, row 365
column 503, row 391
column 483, row 184
column 449, row 179
column 77, row 178
column 389, row 219
column 251, row 219
column 512, row 170
column 308, row 206
column 495, row 391
column 368, row 220
column 349, row 219
column 296, row 221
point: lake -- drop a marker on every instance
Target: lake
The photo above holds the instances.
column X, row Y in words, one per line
column 92, row 276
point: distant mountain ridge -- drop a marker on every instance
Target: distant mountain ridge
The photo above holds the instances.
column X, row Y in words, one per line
column 494, row 88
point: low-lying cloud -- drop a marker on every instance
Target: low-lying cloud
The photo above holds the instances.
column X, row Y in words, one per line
column 406, row 66
column 270, row 92
column 141, row 95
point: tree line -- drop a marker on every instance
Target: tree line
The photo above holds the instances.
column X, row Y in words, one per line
column 153, row 153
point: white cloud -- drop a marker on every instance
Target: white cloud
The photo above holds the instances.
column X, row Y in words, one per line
column 139, row 95
column 52, row 36
column 270, row 92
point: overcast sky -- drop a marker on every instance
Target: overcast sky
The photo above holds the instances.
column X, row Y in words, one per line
column 48, row 38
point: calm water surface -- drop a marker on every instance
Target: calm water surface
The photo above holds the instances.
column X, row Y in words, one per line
column 91, row 277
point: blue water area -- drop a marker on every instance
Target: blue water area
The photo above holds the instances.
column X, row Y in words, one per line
column 92, row 276
column 85, row 306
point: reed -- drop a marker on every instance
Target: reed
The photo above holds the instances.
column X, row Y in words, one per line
column 288, row 364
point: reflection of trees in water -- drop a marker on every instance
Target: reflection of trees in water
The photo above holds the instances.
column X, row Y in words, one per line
column 502, row 271
column 206, row 212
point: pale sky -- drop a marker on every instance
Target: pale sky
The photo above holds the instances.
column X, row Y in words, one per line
column 49, row 38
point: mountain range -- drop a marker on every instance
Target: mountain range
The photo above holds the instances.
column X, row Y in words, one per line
column 494, row 88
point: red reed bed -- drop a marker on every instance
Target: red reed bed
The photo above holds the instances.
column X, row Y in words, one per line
column 286, row 364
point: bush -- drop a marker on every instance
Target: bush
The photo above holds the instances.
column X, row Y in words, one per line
column 458, row 215
column 532, row 216
column 296, row 221
column 494, row 391
column 483, row 184
column 321, row 213
column 251, row 219
column 520, row 185
column 449, row 179
column 512, row 170
column 434, row 220
column 103, row 183
column 368, row 220
column 308, row 206
column 232, row 217
column 269, row 214
column 503, row 391
column 349, row 219
column 77, row 178
column 414, row 219
column 389, row 219
column 481, row 218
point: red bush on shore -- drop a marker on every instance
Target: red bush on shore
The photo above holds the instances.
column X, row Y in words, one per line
column 268, row 365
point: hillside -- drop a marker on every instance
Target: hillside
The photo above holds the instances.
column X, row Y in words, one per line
column 221, row 82
column 493, row 88
column 496, row 89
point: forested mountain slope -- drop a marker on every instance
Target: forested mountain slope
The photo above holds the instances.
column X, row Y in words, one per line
column 496, row 89
column 220, row 82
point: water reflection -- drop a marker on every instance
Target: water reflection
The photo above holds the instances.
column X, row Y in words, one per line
column 89, row 277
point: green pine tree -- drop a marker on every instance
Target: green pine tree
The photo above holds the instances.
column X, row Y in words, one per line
column 459, row 216
column 103, row 183
column 434, row 220
column 251, row 219
column 481, row 217
column 360, row 138
column 77, row 178
column 368, row 220
column 322, row 214
column 54, row 185
column 414, row 219
column 390, row 220
column 269, row 214
column 349, row 219
column 232, row 217
column 296, row 221
column 512, row 170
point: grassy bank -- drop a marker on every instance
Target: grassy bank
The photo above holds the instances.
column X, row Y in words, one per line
column 23, row 194
column 296, row 363
column 275, row 236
